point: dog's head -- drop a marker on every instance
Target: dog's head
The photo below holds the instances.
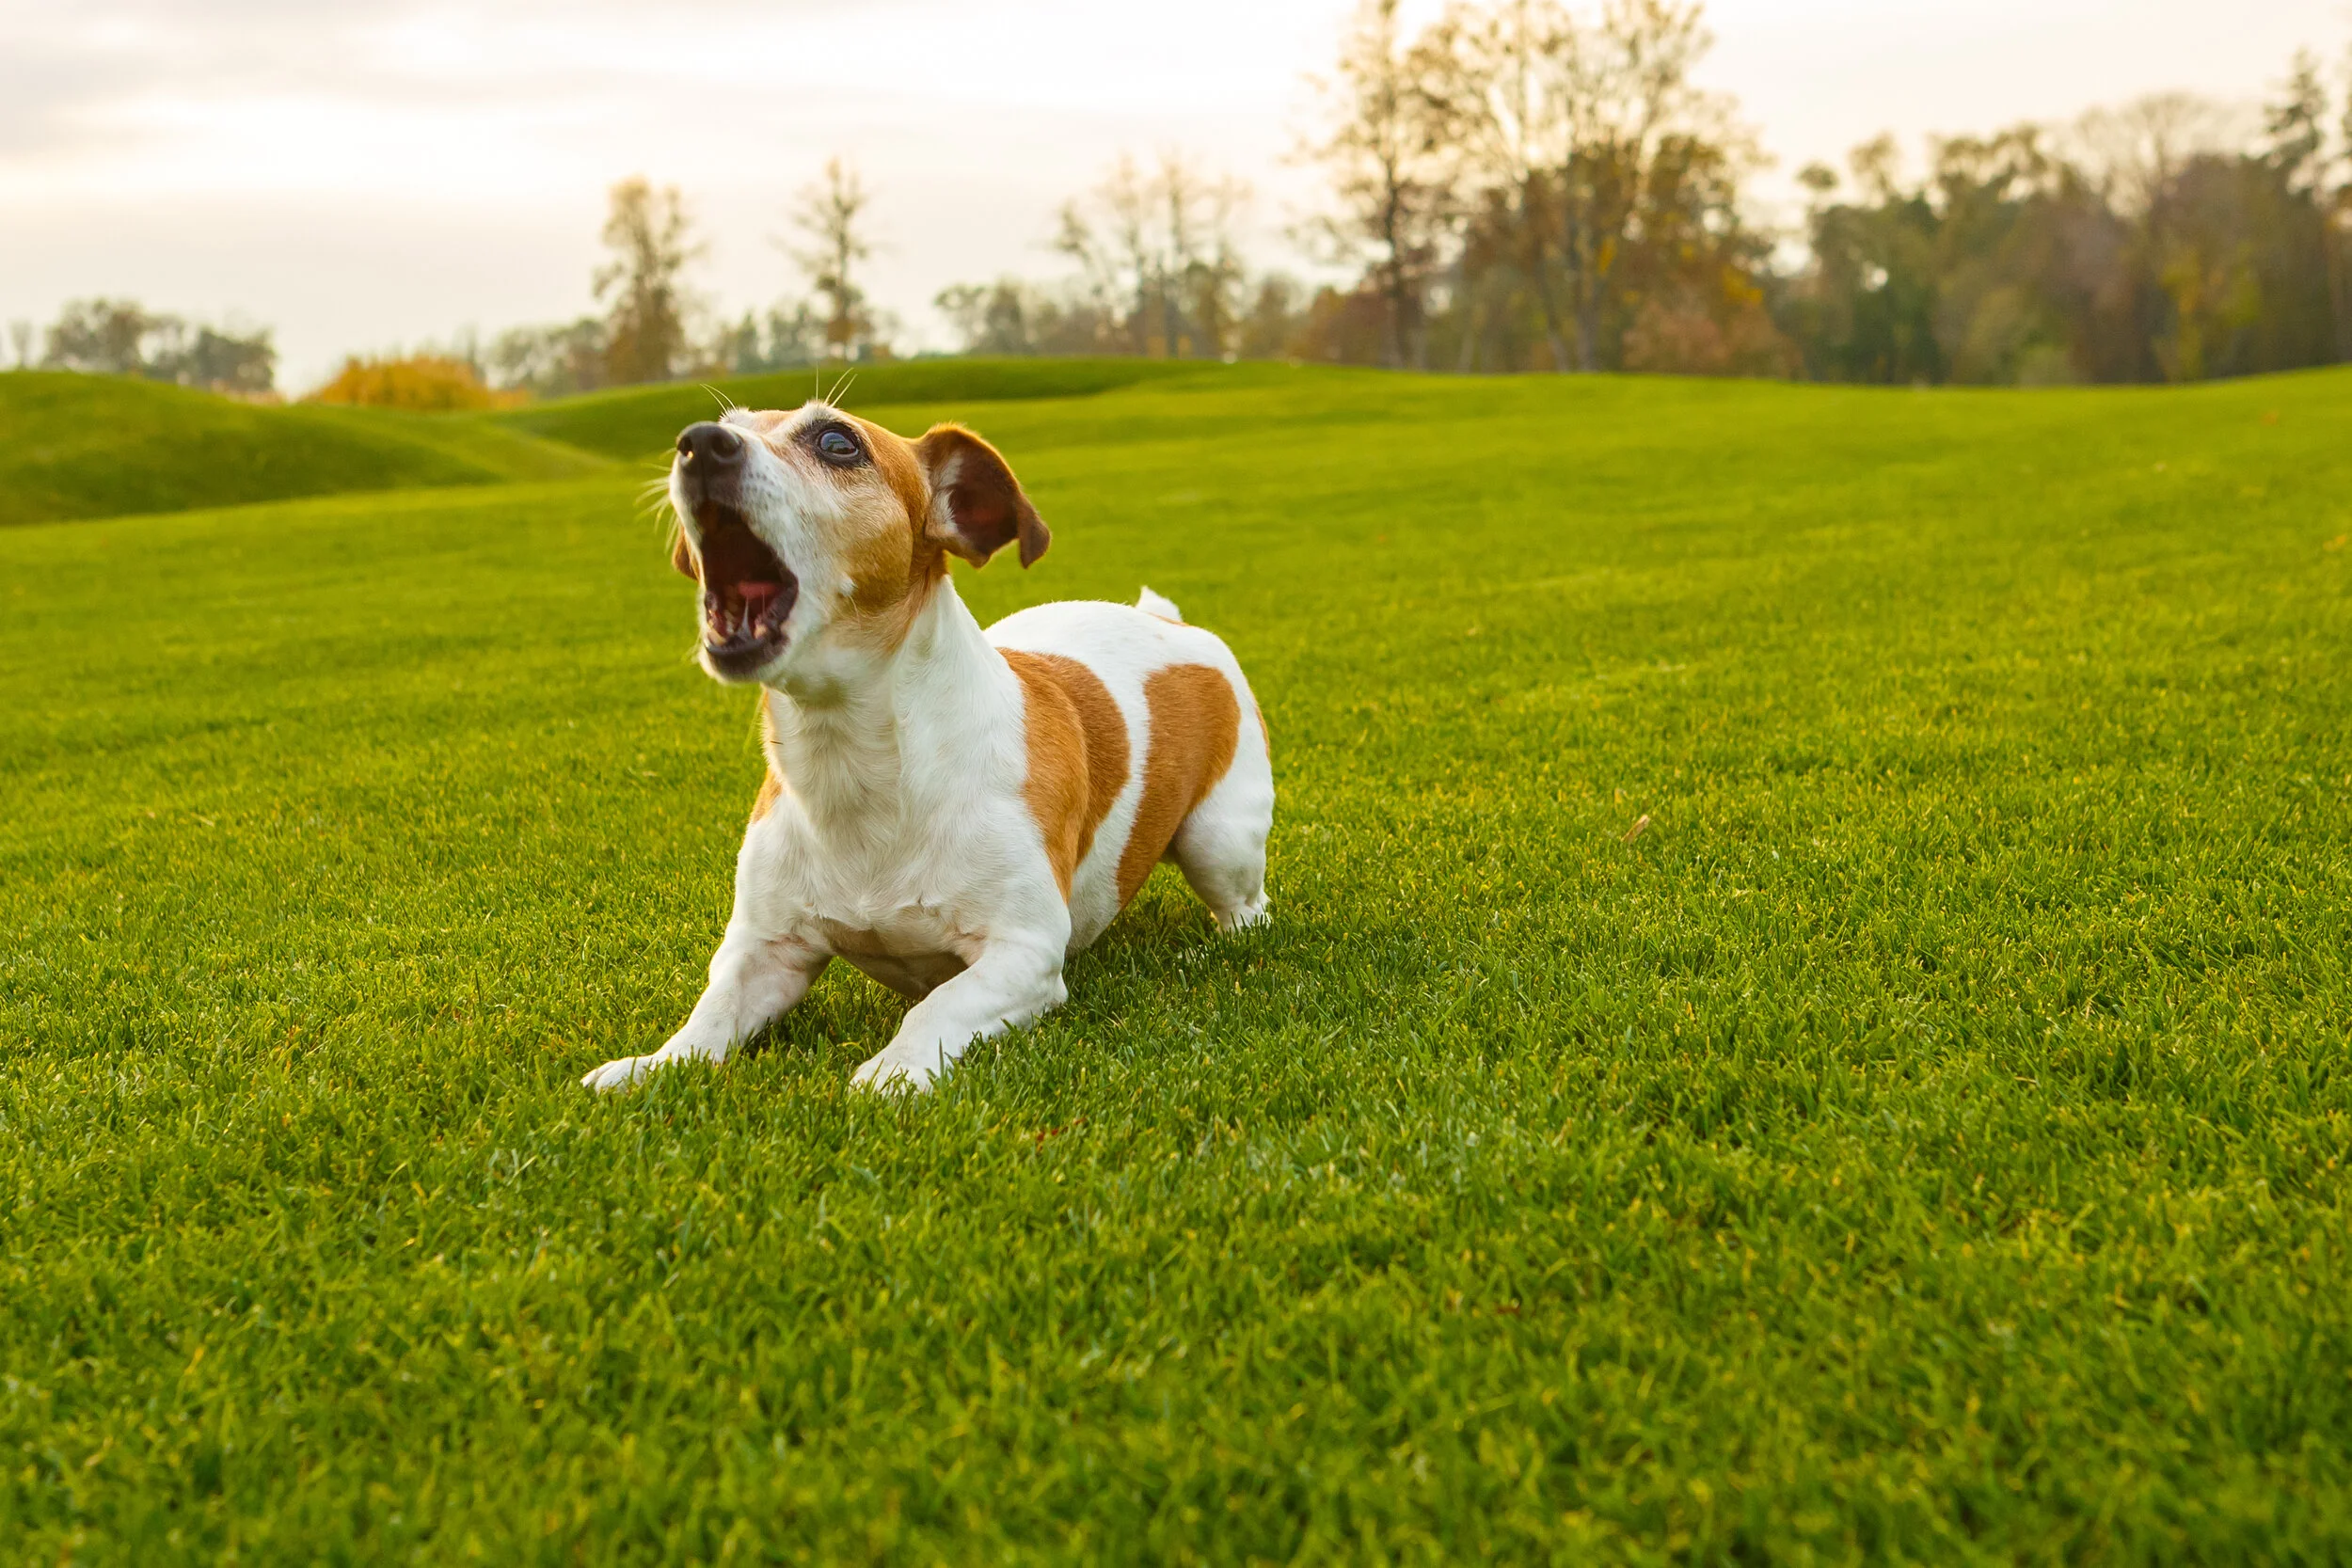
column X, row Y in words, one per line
column 814, row 531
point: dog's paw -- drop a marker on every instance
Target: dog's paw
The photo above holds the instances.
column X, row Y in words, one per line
column 620, row 1073
column 1246, row 916
column 888, row 1074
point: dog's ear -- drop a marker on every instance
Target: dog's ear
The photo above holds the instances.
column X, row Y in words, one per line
column 682, row 555
column 977, row 505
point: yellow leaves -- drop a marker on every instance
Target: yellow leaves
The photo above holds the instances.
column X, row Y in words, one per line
column 426, row 382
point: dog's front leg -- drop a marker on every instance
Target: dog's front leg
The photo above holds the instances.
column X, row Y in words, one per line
column 754, row 980
column 1012, row 982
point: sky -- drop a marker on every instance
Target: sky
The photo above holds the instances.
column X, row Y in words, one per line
column 370, row 175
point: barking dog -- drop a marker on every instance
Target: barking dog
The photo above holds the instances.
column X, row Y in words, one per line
column 953, row 811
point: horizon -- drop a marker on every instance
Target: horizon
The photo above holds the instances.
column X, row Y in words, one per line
column 454, row 175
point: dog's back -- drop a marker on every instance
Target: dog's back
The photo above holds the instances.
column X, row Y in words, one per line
column 1145, row 744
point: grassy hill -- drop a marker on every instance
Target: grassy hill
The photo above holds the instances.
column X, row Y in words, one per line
column 635, row 422
column 1929, row 1138
column 87, row 445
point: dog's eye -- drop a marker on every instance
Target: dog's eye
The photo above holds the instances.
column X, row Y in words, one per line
column 838, row 445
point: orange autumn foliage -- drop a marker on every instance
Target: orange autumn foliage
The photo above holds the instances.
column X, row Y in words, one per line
column 425, row 382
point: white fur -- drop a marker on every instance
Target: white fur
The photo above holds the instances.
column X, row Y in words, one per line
column 902, row 840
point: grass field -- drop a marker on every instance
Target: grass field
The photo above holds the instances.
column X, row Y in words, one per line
column 1927, row 1139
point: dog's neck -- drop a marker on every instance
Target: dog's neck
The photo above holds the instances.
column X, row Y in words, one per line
column 868, row 735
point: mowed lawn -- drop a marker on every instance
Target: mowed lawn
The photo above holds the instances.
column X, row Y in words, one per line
column 1926, row 1139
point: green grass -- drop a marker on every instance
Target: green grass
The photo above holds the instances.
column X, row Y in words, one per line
column 632, row 422
column 91, row 446
column 1926, row 1140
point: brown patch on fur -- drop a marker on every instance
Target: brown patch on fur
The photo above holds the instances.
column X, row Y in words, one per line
column 893, row 563
column 1195, row 722
column 771, row 787
column 682, row 555
column 905, row 561
column 1077, row 754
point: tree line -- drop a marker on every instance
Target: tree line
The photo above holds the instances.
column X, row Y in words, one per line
column 1524, row 186
column 117, row 337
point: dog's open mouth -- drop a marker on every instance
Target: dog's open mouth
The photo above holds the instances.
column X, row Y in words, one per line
column 748, row 594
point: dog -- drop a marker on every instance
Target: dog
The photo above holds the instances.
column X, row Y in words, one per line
column 955, row 812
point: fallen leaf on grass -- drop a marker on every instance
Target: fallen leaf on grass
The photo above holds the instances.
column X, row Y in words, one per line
column 1635, row 832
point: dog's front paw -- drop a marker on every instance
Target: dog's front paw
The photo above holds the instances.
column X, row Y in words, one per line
column 889, row 1074
column 620, row 1073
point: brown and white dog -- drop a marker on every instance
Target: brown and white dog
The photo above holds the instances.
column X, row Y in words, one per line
column 954, row 812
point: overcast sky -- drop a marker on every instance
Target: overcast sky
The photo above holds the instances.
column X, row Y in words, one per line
column 367, row 174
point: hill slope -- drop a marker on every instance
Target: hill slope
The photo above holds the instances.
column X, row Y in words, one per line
column 89, row 446
column 1928, row 1139
column 635, row 422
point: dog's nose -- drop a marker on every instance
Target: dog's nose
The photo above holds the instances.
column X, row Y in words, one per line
column 709, row 446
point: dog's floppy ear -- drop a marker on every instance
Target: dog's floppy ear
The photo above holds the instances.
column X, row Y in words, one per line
column 977, row 505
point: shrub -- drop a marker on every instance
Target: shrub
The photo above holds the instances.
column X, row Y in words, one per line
column 428, row 383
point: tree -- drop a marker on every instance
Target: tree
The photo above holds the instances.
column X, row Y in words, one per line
column 1596, row 188
column 2295, row 125
column 1652, row 172
column 784, row 340
column 1495, row 86
column 831, row 213
column 1157, row 254
column 20, row 337
column 991, row 318
column 2339, row 229
column 117, row 337
column 650, row 237
column 551, row 361
column 2132, row 153
column 2153, row 242
column 244, row 365
column 105, row 336
column 1381, row 151
column 1109, row 234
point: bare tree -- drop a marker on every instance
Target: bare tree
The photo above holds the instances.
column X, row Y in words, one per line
column 1633, row 118
column 1495, row 83
column 2135, row 152
column 1158, row 252
column 650, row 236
column 1108, row 233
column 1584, row 137
column 832, row 214
column 1382, row 152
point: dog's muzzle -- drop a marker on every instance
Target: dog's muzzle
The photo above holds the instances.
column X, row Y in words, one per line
column 748, row 592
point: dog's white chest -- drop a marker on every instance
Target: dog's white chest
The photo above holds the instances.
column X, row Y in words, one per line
column 912, row 954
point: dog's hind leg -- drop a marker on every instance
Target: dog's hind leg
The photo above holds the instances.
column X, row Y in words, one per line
column 1221, row 847
column 753, row 981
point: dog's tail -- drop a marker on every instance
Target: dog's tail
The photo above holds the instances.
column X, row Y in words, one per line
column 1155, row 604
